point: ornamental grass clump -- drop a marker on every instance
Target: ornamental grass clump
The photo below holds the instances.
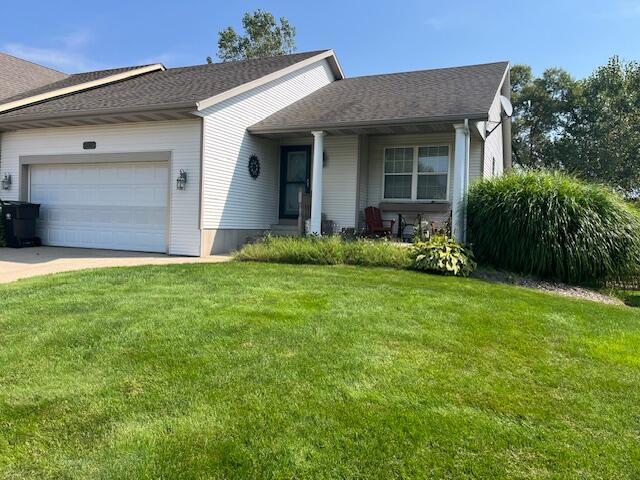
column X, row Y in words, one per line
column 442, row 254
column 331, row 250
column 553, row 226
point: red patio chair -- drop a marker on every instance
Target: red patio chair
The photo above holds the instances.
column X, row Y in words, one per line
column 375, row 223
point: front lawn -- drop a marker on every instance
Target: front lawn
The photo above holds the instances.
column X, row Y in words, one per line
column 245, row 370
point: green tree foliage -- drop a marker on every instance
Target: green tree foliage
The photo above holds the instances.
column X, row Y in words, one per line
column 264, row 37
column 543, row 108
column 589, row 128
column 603, row 140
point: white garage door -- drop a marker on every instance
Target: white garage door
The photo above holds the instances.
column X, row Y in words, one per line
column 120, row 206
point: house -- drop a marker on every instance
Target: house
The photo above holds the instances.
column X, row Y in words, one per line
column 196, row 160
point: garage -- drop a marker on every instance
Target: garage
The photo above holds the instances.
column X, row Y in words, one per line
column 118, row 206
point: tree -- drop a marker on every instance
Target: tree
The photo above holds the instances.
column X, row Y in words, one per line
column 589, row 128
column 264, row 37
column 603, row 141
column 542, row 109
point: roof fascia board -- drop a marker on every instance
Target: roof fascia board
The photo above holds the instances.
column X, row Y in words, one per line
column 329, row 54
column 81, row 86
column 168, row 107
column 373, row 123
column 504, row 76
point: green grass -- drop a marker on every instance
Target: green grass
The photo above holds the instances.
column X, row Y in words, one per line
column 246, row 370
column 629, row 297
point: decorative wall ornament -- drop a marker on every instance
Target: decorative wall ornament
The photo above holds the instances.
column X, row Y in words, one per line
column 254, row 166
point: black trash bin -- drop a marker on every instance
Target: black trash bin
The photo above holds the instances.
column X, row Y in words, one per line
column 19, row 220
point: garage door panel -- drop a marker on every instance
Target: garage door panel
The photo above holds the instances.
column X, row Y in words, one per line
column 118, row 206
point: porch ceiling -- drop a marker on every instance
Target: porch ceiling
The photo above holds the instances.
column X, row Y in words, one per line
column 388, row 129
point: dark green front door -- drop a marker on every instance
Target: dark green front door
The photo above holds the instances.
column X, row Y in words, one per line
column 295, row 169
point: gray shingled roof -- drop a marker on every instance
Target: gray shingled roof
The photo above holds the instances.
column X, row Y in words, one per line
column 69, row 81
column 174, row 86
column 445, row 93
column 17, row 76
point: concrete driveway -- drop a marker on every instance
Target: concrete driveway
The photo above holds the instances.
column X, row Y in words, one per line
column 31, row 262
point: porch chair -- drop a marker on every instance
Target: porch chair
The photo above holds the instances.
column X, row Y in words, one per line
column 375, row 223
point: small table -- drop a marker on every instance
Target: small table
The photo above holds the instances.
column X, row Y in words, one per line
column 403, row 224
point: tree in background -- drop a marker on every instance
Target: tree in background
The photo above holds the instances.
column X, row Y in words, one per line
column 589, row 127
column 264, row 37
column 543, row 108
column 603, row 141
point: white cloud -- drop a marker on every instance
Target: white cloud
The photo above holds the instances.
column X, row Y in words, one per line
column 55, row 58
column 66, row 54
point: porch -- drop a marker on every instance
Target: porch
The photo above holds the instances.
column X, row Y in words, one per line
column 414, row 171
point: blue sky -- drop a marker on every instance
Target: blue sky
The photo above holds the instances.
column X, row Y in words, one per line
column 369, row 37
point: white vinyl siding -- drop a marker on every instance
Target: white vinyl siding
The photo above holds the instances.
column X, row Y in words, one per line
column 180, row 137
column 232, row 199
column 340, row 180
column 493, row 161
column 475, row 158
column 363, row 173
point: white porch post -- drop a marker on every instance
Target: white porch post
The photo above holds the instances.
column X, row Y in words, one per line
column 316, row 186
column 460, row 182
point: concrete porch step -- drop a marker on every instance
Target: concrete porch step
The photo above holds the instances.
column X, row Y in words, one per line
column 284, row 230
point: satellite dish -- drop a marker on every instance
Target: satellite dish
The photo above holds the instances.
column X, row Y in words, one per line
column 507, row 108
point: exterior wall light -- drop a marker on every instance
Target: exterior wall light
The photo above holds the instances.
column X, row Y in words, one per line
column 181, row 182
column 6, row 182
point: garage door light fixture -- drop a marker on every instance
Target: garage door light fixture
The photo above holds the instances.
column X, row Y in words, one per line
column 6, row 182
column 181, row 182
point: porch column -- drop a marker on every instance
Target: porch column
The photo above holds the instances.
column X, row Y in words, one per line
column 316, row 185
column 460, row 182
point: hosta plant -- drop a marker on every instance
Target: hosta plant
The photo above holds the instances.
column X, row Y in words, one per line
column 442, row 254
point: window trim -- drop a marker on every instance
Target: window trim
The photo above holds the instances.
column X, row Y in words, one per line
column 414, row 173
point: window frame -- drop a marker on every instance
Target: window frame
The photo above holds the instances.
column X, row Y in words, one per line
column 415, row 174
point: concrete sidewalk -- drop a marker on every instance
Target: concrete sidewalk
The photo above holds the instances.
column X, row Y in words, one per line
column 31, row 262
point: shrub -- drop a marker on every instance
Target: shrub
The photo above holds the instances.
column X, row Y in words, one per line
column 555, row 226
column 442, row 254
column 326, row 251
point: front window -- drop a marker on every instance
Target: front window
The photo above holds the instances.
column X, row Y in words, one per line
column 416, row 173
column 398, row 172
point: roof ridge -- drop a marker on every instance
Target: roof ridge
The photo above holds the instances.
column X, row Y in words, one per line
column 235, row 62
column 460, row 67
